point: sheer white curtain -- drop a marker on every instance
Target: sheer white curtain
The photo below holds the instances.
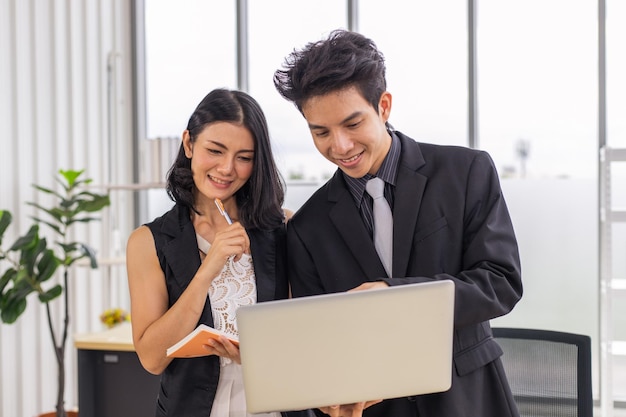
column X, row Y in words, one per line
column 66, row 104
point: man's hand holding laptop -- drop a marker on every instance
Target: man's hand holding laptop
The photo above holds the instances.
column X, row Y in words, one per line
column 348, row 410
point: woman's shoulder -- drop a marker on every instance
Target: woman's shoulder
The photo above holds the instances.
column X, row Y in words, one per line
column 140, row 238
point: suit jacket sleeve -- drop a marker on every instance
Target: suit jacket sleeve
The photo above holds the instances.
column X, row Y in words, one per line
column 476, row 247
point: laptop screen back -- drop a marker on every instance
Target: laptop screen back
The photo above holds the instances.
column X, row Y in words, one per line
column 347, row 347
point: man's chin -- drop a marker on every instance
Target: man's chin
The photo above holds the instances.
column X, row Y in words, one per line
column 351, row 172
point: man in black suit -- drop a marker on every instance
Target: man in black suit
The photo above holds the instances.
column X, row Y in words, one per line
column 450, row 221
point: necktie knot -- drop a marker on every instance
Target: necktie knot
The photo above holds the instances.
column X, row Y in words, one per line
column 375, row 187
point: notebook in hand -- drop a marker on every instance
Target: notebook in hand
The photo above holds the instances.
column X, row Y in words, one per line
column 347, row 347
column 191, row 346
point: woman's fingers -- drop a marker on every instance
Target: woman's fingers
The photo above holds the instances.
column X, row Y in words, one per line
column 223, row 347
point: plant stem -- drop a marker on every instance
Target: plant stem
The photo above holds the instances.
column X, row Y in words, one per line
column 59, row 349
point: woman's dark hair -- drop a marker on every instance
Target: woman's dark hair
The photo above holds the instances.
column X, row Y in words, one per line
column 344, row 60
column 261, row 198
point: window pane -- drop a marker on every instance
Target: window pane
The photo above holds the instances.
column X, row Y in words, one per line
column 425, row 48
column 616, row 73
column 537, row 108
column 537, row 86
column 190, row 50
column 277, row 27
column 616, row 138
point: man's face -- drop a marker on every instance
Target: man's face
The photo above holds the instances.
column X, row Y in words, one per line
column 348, row 131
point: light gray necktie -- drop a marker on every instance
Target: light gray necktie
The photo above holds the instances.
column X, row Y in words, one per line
column 383, row 223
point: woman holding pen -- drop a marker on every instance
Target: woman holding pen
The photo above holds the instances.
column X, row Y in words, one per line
column 222, row 245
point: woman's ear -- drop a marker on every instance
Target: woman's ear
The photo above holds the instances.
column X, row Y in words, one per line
column 187, row 144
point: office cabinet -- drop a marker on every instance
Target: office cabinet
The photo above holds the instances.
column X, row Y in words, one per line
column 111, row 380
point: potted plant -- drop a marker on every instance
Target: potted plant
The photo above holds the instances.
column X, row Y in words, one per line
column 29, row 263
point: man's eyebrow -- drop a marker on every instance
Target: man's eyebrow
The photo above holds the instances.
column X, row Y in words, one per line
column 350, row 117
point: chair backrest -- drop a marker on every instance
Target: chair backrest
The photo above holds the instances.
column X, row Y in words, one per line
column 549, row 371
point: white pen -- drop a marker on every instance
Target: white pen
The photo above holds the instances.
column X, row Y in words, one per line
column 220, row 207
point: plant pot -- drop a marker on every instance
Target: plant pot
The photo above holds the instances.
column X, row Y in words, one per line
column 54, row 414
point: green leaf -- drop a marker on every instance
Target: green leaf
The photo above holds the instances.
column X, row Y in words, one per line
column 47, row 190
column 53, row 226
column 28, row 257
column 21, row 275
column 5, row 221
column 91, row 253
column 12, row 310
column 82, row 182
column 55, row 212
column 51, row 294
column 70, row 176
column 29, row 240
column 23, row 286
column 47, row 265
column 8, row 276
column 83, row 220
column 83, row 252
column 98, row 203
column 68, row 247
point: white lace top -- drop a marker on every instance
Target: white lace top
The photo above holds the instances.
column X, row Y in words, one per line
column 234, row 287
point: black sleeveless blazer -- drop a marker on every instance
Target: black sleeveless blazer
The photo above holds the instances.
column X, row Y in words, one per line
column 188, row 386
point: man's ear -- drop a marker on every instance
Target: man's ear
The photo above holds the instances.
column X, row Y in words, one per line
column 384, row 105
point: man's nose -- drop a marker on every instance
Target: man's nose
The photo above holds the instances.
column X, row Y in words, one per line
column 342, row 143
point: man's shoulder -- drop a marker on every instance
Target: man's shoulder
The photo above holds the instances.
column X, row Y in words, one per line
column 317, row 206
column 410, row 143
column 438, row 153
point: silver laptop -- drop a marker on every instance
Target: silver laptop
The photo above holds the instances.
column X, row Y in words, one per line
column 347, row 347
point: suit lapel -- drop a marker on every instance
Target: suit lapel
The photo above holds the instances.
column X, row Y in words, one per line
column 263, row 244
column 346, row 218
column 410, row 186
column 182, row 250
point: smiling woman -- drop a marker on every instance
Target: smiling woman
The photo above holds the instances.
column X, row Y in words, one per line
column 192, row 250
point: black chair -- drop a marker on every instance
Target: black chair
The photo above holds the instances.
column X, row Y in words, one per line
column 549, row 371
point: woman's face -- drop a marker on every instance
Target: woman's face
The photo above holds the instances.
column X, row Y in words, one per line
column 222, row 159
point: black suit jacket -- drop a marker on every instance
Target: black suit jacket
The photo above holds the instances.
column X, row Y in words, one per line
column 450, row 222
